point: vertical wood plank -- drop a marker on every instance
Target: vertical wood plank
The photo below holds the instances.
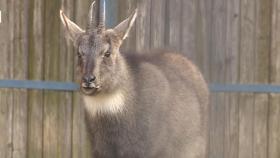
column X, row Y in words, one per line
column 217, row 57
column 273, row 114
column 126, row 7
column 35, row 72
column 80, row 142
column 231, row 146
column 260, row 126
column 158, row 20
column 51, row 72
column 173, row 38
column 66, row 69
column 274, row 125
column 6, row 102
column 247, row 73
column 189, row 29
column 143, row 25
column 263, row 28
column 203, row 28
column 231, row 76
column 274, row 108
column 81, row 145
column 20, row 66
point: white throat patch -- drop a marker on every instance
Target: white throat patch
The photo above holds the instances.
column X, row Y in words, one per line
column 105, row 103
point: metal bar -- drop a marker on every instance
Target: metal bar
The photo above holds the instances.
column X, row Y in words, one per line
column 111, row 13
column 69, row 86
column 245, row 88
column 41, row 85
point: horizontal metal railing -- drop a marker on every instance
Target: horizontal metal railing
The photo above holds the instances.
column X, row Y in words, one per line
column 69, row 86
column 40, row 85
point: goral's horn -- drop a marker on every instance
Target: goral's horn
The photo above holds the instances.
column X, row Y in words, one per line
column 96, row 16
column 101, row 15
column 92, row 17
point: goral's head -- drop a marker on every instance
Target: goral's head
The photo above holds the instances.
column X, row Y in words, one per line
column 99, row 59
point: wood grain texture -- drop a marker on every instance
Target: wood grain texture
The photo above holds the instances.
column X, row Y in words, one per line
column 203, row 23
column 217, row 74
column 143, row 34
column 126, row 8
column 200, row 55
column 66, row 69
column 203, row 38
column 246, row 74
column 20, row 69
column 51, row 72
column 231, row 76
column 274, row 127
column 274, row 108
column 173, row 28
column 6, row 102
column 190, row 30
column 35, row 72
column 158, row 20
column 262, row 47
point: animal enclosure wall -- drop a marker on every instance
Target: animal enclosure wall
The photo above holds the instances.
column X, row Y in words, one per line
column 231, row 41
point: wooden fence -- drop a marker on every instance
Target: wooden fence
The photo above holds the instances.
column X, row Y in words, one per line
column 232, row 41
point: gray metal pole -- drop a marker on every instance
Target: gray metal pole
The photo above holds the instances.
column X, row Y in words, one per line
column 112, row 11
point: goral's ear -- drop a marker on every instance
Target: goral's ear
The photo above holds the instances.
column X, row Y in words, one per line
column 73, row 30
column 124, row 27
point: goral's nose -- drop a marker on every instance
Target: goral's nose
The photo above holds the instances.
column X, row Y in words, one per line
column 89, row 79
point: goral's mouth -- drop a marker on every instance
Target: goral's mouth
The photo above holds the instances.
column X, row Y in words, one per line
column 89, row 88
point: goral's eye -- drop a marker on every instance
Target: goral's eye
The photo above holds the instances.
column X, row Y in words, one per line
column 107, row 54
